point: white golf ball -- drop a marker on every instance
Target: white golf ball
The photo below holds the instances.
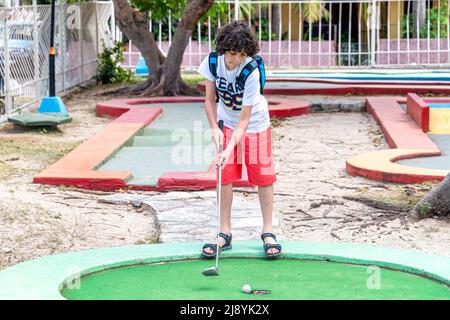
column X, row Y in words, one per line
column 246, row 288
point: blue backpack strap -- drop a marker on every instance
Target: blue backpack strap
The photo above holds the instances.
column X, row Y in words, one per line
column 213, row 61
column 262, row 72
column 256, row 63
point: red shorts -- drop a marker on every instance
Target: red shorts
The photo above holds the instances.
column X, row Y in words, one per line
column 256, row 152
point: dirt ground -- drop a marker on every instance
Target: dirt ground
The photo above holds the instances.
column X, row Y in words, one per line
column 38, row 220
column 310, row 152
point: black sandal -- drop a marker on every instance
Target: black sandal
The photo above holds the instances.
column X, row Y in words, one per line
column 268, row 246
column 226, row 246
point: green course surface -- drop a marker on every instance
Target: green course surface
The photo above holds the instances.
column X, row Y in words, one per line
column 177, row 141
column 441, row 162
column 303, row 267
column 285, row 278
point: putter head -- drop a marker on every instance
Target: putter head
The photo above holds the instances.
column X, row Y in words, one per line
column 212, row 271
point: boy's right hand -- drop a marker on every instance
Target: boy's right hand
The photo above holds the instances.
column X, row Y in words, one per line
column 217, row 137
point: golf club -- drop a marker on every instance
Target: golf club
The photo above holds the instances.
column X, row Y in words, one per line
column 214, row 271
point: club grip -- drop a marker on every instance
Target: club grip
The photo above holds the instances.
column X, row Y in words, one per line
column 220, row 123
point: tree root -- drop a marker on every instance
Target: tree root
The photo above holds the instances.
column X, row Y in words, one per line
column 378, row 204
column 330, row 202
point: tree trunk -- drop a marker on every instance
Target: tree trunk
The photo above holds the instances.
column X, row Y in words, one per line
column 418, row 15
column 276, row 19
column 164, row 72
column 134, row 25
column 436, row 202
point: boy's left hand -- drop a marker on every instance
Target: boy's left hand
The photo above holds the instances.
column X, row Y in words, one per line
column 222, row 158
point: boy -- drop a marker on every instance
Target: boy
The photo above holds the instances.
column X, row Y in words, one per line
column 245, row 114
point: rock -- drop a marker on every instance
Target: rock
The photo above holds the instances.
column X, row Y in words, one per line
column 352, row 106
column 120, row 198
column 337, row 105
column 7, row 250
column 136, row 203
column 330, row 107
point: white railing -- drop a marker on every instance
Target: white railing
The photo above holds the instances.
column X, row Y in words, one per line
column 80, row 30
column 326, row 33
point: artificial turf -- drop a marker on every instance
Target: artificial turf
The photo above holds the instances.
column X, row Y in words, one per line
column 286, row 279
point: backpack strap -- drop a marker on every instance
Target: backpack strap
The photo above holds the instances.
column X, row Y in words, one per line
column 256, row 63
column 212, row 59
column 262, row 72
column 213, row 63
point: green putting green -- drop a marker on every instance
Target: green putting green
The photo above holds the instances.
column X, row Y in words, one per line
column 285, row 278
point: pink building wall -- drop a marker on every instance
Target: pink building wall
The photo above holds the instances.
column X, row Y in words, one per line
column 276, row 55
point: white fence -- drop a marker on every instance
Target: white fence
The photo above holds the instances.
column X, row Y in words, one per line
column 326, row 33
column 293, row 34
column 80, row 30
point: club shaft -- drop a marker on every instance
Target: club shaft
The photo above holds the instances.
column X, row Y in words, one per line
column 219, row 193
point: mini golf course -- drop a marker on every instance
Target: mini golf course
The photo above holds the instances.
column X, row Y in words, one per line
column 141, row 148
column 162, row 144
column 417, row 131
column 153, row 144
column 173, row 271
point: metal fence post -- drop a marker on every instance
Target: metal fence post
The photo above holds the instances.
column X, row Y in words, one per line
column 373, row 17
column 236, row 9
column 62, row 41
column 80, row 36
column 37, row 83
column 8, row 104
column 96, row 29
column 113, row 25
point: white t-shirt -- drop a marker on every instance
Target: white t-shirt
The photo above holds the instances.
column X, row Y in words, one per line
column 231, row 99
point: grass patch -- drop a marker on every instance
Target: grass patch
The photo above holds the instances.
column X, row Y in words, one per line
column 14, row 214
column 31, row 148
column 431, row 229
column 406, row 195
column 6, row 170
column 135, row 80
column 192, row 79
column 47, row 131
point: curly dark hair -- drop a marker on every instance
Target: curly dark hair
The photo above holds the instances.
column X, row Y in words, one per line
column 237, row 36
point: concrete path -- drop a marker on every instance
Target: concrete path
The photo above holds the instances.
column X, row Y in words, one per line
column 192, row 216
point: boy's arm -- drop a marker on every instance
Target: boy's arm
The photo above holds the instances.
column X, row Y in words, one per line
column 210, row 104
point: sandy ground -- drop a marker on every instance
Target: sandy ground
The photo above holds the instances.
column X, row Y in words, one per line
column 38, row 220
column 309, row 151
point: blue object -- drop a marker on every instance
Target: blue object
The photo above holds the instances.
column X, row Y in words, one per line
column 445, row 105
column 212, row 60
column 53, row 104
column 141, row 67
